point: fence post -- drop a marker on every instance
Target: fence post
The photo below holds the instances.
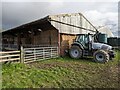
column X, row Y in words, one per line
column 43, row 53
column 58, row 52
column 22, row 55
column 35, row 54
column 51, row 52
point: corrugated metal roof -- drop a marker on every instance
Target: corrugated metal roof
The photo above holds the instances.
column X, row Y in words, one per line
column 66, row 23
column 76, row 19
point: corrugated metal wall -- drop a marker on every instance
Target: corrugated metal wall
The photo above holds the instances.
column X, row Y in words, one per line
column 72, row 19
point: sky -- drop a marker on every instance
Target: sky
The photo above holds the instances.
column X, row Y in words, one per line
column 99, row 13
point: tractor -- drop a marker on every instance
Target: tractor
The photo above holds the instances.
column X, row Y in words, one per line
column 88, row 45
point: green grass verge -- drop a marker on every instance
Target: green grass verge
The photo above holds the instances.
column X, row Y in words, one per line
column 63, row 73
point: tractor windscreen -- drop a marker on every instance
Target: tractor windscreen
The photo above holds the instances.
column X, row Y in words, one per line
column 79, row 38
column 84, row 38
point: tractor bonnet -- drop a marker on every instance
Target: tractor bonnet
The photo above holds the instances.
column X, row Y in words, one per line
column 101, row 46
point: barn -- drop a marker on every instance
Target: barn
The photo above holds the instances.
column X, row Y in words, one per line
column 52, row 30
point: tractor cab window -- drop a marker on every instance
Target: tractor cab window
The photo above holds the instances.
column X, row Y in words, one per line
column 86, row 39
column 90, row 38
column 80, row 38
column 83, row 39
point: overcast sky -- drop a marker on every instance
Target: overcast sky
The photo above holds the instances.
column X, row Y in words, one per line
column 98, row 13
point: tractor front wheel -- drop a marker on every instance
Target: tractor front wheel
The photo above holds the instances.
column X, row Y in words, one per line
column 101, row 56
column 75, row 52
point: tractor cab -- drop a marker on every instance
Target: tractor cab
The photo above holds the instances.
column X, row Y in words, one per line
column 85, row 40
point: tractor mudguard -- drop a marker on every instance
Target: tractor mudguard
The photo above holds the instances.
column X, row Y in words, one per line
column 78, row 44
column 112, row 54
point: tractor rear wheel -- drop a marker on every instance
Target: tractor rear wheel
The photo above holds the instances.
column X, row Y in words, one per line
column 101, row 56
column 75, row 52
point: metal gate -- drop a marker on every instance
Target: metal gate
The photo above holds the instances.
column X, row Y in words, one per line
column 39, row 53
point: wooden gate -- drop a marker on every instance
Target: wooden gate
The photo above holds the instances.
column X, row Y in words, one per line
column 39, row 53
column 9, row 56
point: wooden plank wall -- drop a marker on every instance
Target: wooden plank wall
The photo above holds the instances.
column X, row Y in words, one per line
column 48, row 37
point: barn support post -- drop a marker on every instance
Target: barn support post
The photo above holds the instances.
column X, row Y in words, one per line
column 58, row 43
column 21, row 55
column 57, row 52
column 18, row 40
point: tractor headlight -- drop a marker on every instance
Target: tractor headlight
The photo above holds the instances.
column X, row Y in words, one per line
column 110, row 48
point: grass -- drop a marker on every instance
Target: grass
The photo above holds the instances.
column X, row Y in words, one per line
column 62, row 73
